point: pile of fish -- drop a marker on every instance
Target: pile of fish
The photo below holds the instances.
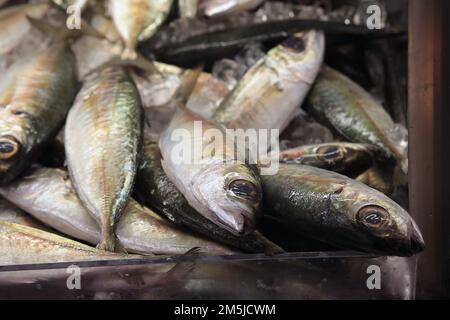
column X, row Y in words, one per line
column 88, row 116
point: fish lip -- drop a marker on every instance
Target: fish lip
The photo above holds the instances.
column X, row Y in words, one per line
column 242, row 227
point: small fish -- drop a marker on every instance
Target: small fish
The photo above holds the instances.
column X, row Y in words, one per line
column 350, row 159
column 223, row 189
column 154, row 189
column 355, row 114
column 332, row 208
column 14, row 24
column 270, row 93
column 138, row 20
column 220, row 8
column 43, row 91
column 102, row 139
column 25, row 245
column 48, row 195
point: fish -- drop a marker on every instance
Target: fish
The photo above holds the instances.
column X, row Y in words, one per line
column 353, row 113
column 9, row 212
column 335, row 209
column 155, row 190
column 378, row 177
column 103, row 136
column 350, row 159
column 222, row 188
column 14, row 25
column 43, row 92
column 138, row 20
column 20, row 245
column 48, row 195
column 270, row 93
column 220, row 8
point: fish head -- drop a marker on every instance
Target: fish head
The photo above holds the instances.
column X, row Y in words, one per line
column 300, row 56
column 375, row 220
column 232, row 194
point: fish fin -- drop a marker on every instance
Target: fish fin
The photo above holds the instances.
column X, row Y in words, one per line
column 140, row 63
column 188, row 80
column 119, row 248
column 183, row 268
column 107, row 244
column 56, row 34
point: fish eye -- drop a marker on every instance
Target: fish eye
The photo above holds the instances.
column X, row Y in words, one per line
column 244, row 189
column 330, row 153
column 9, row 147
column 295, row 44
column 373, row 216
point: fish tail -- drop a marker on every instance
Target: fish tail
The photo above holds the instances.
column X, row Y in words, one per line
column 129, row 54
column 108, row 240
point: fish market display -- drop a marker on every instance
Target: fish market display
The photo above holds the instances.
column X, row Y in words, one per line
column 143, row 134
column 43, row 91
column 155, row 189
column 138, row 20
column 353, row 113
column 269, row 94
column 333, row 208
column 47, row 194
column 222, row 189
column 102, row 138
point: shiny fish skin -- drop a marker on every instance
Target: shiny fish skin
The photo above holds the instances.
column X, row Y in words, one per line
column 102, row 139
column 188, row 8
column 220, row 8
column 44, row 89
column 332, row 208
column 269, row 94
column 25, row 245
column 224, row 190
column 14, row 24
column 10, row 213
column 350, row 159
column 49, row 196
column 354, row 114
column 154, row 189
column 138, row 20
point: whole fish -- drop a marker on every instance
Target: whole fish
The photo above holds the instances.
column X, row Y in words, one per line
column 270, row 93
column 221, row 188
column 44, row 89
column 355, row 114
column 350, row 159
column 154, row 189
column 335, row 209
column 48, row 195
column 25, row 245
column 102, row 140
column 14, row 24
column 10, row 213
column 138, row 20
column 220, row 8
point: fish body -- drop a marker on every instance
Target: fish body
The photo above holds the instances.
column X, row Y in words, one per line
column 221, row 188
column 10, row 213
column 188, row 8
column 102, row 138
column 138, row 20
column 14, row 24
column 25, row 245
column 355, row 114
column 156, row 190
column 43, row 92
column 332, row 208
column 350, row 159
column 269, row 94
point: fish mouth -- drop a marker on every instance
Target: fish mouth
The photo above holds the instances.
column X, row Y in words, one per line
column 239, row 225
